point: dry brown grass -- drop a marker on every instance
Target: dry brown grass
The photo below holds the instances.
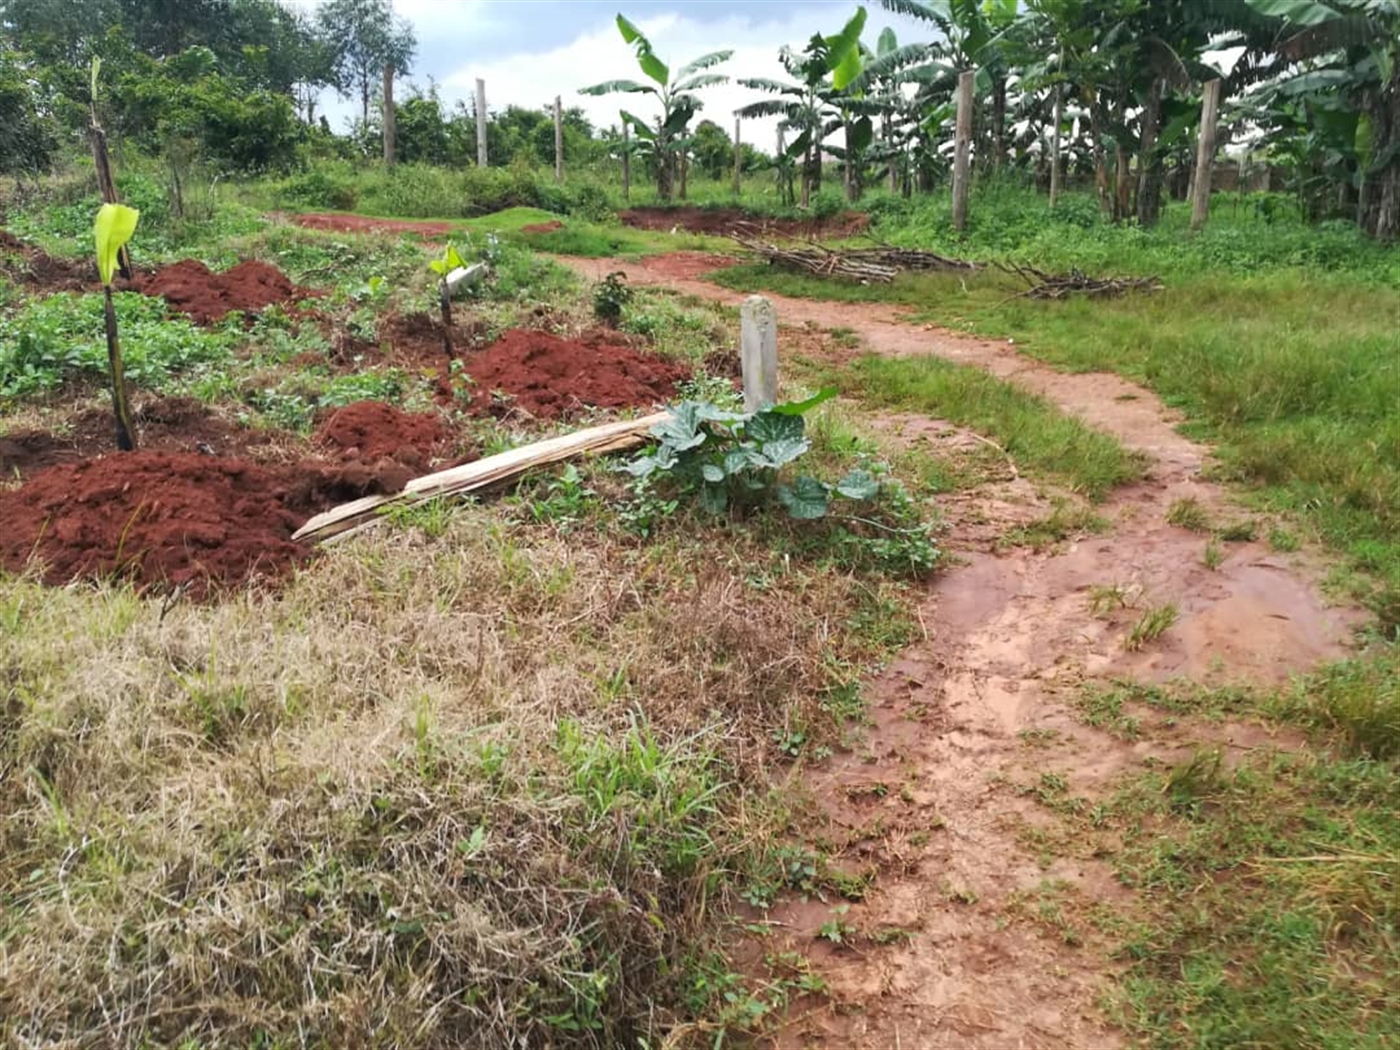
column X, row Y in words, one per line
column 477, row 791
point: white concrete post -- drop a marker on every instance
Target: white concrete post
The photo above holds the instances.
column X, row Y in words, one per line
column 480, row 122
column 758, row 352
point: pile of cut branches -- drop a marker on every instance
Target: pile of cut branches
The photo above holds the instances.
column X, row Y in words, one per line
column 1042, row 285
column 858, row 264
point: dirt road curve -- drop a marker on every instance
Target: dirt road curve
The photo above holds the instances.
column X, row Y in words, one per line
column 932, row 798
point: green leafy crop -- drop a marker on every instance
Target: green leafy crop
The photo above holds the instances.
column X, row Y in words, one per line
column 734, row 457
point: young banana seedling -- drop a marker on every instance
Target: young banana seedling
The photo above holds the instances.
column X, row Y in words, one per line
column 443, row 267
column 114, row 226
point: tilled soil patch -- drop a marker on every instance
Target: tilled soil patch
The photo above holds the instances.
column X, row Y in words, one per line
column 533, row 373
column 36, row 269
column 191, row 288
column 369, row 431
column 166, row 424
column 722, row 222
column 205, row 524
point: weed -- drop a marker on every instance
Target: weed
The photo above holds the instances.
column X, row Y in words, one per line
column 1189, row 514
column 1214, row 555
column 1069, row 519
column 1106, row 599
column 1150, row 626
column 1283, row 540
column 836, row 929
column 611, row 296
column 1239, row 532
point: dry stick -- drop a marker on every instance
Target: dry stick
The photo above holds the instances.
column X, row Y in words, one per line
column 126, row 430
column 484, row 473
column 445, row 306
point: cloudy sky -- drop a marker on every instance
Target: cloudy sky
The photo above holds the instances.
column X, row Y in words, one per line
column 528, row 51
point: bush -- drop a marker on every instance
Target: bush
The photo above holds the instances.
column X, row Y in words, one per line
column 318, row 189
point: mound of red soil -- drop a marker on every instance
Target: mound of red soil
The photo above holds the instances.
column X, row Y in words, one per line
column 161, row 519
column 200, row 521
column 543, row 227
column 723, row 221
column 372, row 430
column 166, row 424
column 548, row 377
column 35, row 268
column 193, row 289
column 369, row 224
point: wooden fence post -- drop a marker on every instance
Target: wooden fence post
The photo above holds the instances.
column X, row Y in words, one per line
column 480, row 123
column 626, row 163
column 738, row 157
column 388, row 128
column 758, row 352
column 962, row 149
column 1205, row 154
column 558, row 139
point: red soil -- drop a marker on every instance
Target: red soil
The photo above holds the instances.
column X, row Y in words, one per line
column 155, row 517
column 724, row 221
column 191, row 508
column 543, row 227
column 165, row 424
column 372, row 430
column 369, row 224
column 548, row 377
column 193, row 289
column 35, row 268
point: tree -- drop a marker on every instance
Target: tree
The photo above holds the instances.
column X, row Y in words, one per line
column 677, row 95
column 1352, row 48
column 27, row 139
column 822, row 71
column 367, row 37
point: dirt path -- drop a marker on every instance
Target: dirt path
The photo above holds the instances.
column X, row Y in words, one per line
column 945, row 954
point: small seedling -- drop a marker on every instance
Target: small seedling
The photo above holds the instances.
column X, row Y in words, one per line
column 836, row 929
column 1214, row 555
column 1189, row 514
column 114, row 226
column 610, row 296
column 1105, row 599
column 442, row 267
column 1151, row 626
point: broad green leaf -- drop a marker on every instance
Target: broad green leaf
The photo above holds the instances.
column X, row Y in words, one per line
column 805, row 498
column 797, row 408
column 769, row 426
column 630, row 33
column 1295, row 12
column 713, row 413
column 738, row 460
column 714, row 498
column 784, row 450
column 714, row 58
column 858, row 484
column 703, row 80
column 681, row 429
column 114, row 226
column 640, row 126
column 611, row 87
column 712, row 472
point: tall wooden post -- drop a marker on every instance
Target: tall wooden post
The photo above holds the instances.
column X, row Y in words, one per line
column 480, row 123
column 738, row 158
column 558, row 139
column 962, row 149
column 626, row 163
column 1055, row 144
column 1205, row 154
column 389, row 131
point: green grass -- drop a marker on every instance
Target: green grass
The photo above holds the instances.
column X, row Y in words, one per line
column 1034, row 433
column 1267, row 889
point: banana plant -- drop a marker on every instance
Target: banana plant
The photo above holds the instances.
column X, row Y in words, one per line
column 823, row 71
column 443, row 266
column 114, row 226
column 677, row 95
